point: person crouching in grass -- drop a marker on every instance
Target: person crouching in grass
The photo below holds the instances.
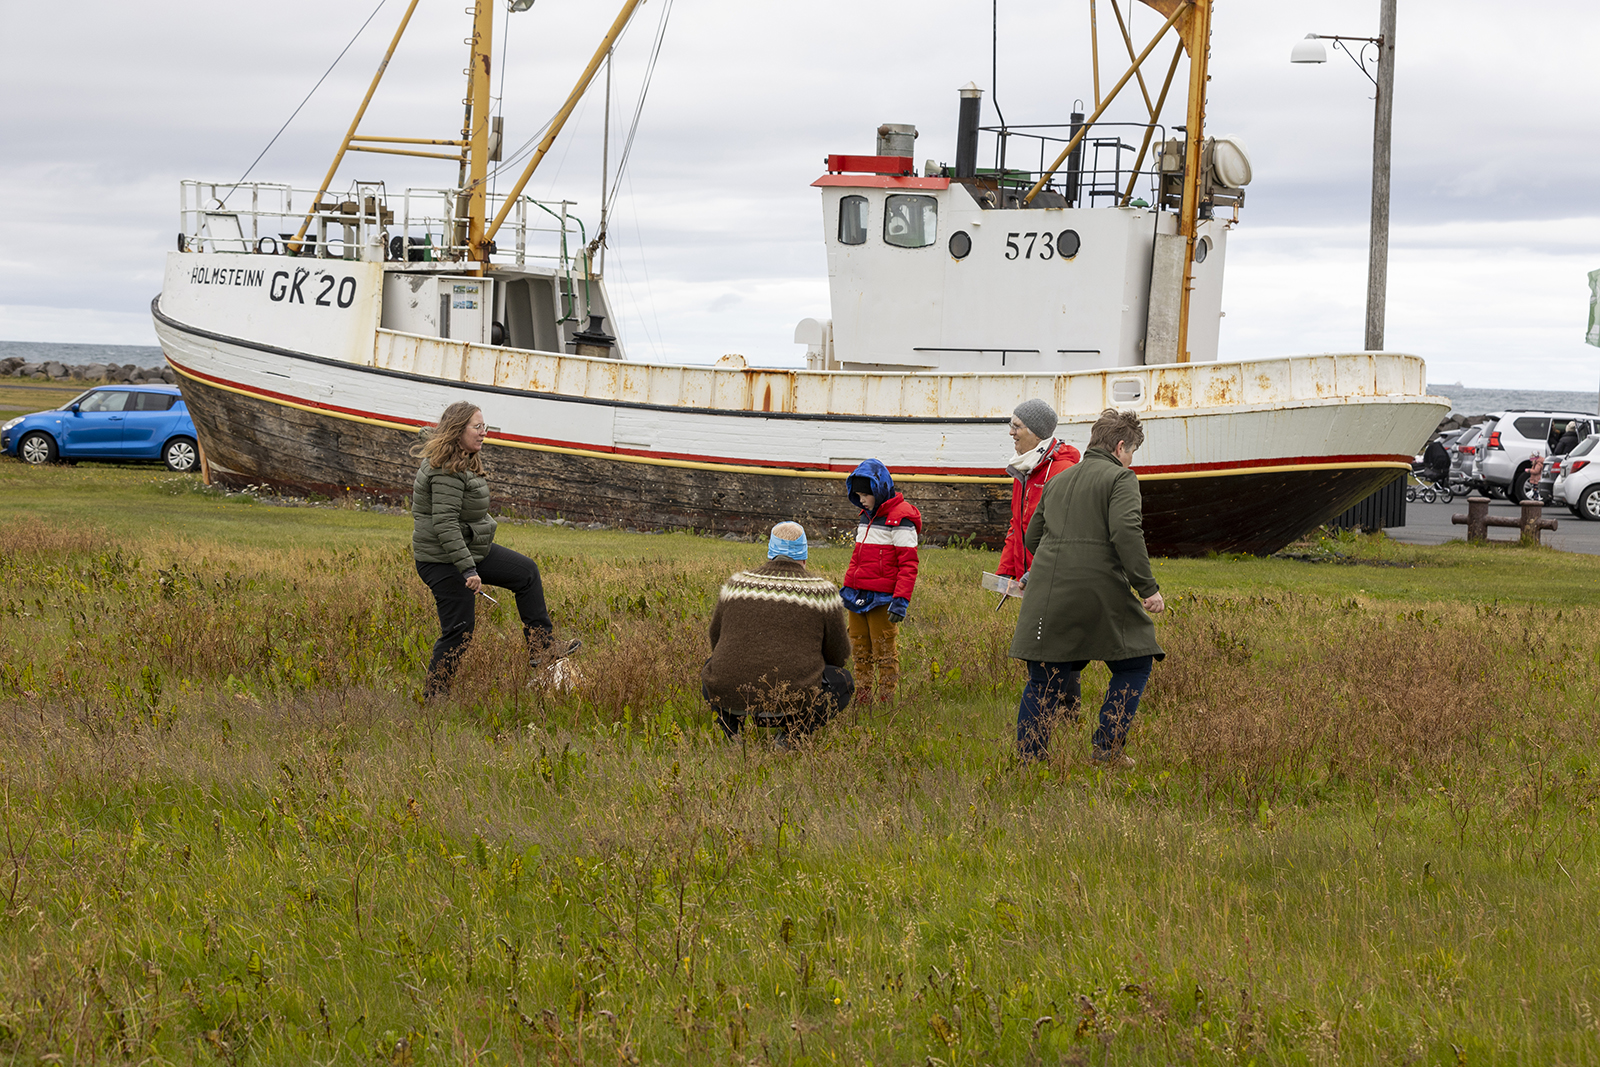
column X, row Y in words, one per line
column 778, row 644
column 880, row 579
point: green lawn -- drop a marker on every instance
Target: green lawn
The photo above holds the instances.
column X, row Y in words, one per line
column 26, row 397
column 1361, row 828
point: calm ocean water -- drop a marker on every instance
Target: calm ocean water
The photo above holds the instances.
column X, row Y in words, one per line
column 1465, row 400
column 1482, row 401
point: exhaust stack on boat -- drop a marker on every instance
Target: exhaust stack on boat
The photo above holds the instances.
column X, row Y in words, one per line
column 967, row 131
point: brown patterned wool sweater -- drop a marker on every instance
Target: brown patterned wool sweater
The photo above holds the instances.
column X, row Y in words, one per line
column 775, row 626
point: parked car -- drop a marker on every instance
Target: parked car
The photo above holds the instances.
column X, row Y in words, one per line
column 1544, row 492
column 1462, row 449
column 1578, row 486
column 1552, row 471
column 1516, row 438
column 135, row 422
column 1476, row 482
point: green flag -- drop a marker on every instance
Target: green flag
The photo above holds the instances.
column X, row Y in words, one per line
column 1593, row 336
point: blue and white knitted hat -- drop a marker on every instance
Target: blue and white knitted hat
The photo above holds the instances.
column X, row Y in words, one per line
column 788, row 539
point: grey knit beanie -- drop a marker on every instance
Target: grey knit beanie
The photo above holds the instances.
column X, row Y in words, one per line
column 1037, row 416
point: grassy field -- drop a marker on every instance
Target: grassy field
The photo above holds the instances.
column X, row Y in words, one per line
column 1361, row 828
column 26, row 397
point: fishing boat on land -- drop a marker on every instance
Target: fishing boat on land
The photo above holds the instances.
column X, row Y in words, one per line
column 314, row 334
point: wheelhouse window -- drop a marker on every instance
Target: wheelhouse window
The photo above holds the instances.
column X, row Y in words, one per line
column 910, row 221
column 105, row 400
column 853, row 220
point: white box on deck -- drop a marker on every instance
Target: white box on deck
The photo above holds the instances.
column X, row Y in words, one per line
column 438, row 305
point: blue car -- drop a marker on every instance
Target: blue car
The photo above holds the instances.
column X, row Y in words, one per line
column 109, row 422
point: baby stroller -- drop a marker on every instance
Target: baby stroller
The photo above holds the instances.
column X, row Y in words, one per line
column 1430, row 478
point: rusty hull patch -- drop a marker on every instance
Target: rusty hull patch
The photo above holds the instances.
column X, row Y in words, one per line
column 1220, row 390
column 1174, row 389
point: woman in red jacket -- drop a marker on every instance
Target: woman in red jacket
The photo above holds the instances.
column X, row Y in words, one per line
column 1039, row 458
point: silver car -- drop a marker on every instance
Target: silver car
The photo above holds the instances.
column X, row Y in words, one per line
column 1462, row 449
column 1578, row 485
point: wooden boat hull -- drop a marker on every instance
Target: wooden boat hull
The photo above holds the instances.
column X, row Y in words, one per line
column 312, row 424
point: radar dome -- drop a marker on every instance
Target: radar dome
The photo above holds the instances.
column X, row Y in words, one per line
column 1230, row 163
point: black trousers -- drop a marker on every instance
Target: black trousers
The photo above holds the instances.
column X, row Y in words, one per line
column 502, row 567
column 832, row 697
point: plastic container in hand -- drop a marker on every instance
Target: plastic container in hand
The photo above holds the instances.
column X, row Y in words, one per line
column 996, row 583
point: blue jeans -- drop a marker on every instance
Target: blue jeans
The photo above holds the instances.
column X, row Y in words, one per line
column 1053, row 691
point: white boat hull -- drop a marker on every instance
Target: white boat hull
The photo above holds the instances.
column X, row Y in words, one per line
column 644, row 445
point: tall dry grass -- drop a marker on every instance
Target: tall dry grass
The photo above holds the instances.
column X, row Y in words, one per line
column 1256, row 694
column 1259, row 695
column 232, row 832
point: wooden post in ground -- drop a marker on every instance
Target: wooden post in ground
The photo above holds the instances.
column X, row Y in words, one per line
column 1532, row 511
column 1477, row 520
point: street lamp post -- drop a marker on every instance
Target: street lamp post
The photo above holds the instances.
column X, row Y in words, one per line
column 1310, row 50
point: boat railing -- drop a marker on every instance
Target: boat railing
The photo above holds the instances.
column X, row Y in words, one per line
column 1104, row 170
column 1336, row 378
column 368, row 223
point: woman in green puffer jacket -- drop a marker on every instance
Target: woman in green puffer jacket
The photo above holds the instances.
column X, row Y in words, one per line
column 453, row 543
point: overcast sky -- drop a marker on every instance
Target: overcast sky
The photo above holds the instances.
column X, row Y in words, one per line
column 716, row 234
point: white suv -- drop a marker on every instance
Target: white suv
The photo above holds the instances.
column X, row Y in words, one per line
column 1518, row 436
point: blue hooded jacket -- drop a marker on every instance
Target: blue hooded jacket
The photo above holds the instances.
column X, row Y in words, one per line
column 880, row 483
column 885, row 555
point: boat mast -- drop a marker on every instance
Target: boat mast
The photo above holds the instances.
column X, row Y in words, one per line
column 1197, row 37
column 1193, row 21
column 350, row 135
column 475, row 132
column 560, row 119
column 1175, row 10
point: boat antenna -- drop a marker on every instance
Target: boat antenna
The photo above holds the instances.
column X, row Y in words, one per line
column 605, row 164
column 598, row 245
column 644, row 91
column 304, row 102
column 994, row 81
column 500, row 98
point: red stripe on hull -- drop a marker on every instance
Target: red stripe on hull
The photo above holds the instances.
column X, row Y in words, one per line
column 258, row 440
column 1220, row 467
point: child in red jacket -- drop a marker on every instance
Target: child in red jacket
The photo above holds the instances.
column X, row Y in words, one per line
column 882, row 573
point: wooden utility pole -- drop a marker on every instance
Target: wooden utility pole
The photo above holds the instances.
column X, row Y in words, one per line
column 1382, row 125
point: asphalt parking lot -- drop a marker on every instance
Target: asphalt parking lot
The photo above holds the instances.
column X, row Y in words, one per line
column 1429, row 524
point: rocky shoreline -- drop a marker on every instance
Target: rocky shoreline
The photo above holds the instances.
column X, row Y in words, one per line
column 55, row 371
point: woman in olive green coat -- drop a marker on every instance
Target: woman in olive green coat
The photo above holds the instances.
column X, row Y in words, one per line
column 452, row 541
column 1079, row 603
